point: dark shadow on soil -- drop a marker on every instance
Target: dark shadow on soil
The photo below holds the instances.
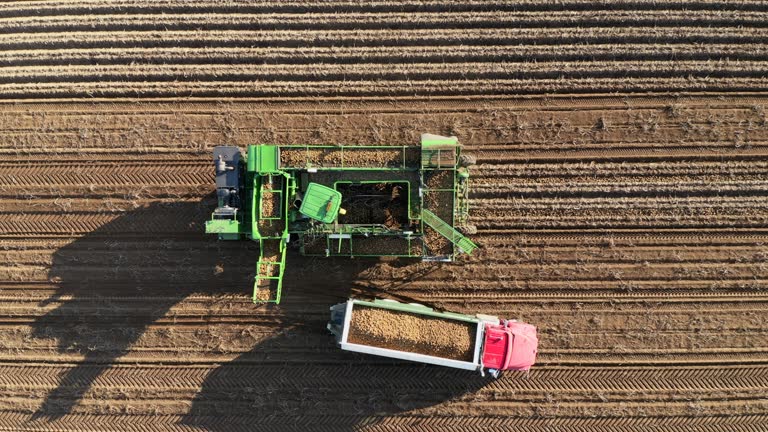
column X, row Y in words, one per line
column 300, row 380
column 104, row 278
column 297, row 378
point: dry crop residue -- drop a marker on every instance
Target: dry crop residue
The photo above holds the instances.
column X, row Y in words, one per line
column 86, row 49
column 408, row 332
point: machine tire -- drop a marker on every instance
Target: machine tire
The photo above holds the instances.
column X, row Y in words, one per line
column 466, row 160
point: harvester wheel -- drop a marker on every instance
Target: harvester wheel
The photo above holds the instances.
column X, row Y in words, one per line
column 468, row 229
column 466, row 160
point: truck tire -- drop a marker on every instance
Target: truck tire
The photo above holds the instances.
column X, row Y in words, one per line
column 466, row 160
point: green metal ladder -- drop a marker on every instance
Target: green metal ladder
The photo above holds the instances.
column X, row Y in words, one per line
column 265, row 273
column 269, row 274
column 448, row 231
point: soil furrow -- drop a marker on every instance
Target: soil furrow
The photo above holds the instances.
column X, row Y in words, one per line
column 383, row 20
column 118, row 313
column 321, row 88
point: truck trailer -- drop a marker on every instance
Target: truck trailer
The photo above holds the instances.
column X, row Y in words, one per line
column 419, row 333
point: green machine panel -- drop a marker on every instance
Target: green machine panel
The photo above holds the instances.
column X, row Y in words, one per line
column 263, row 159
column 321, row 203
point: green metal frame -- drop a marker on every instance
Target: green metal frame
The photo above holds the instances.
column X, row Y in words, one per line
column 263, row 159
column 359, row 230
column 461, row 206
column 256, row 205
column 451, row 190
column 448, row 232
column 227, row 229
column 269, row 265
column 321, row 203
column 434, row 147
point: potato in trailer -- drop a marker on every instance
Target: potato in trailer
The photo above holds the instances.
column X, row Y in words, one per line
column 418, row 333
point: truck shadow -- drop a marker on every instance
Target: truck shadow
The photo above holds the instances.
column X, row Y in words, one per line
column 299, row 379
column 123, row 279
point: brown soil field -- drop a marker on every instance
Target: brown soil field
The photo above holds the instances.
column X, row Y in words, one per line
column 638, row 251
column 620, row 196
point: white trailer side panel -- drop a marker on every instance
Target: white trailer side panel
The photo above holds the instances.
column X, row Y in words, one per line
column 402, row 355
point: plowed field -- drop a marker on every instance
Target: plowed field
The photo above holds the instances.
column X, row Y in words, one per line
column 621, row 196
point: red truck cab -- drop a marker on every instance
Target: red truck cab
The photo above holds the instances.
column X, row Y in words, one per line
column 509, row 345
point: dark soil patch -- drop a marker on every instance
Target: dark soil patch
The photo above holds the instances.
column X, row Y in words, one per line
column 441, row 204
column 439, row 179
column 380, row 204
column 436, row 244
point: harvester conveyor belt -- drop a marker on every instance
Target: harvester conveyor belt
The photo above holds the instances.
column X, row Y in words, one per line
column 448, row 231
column 269, row 274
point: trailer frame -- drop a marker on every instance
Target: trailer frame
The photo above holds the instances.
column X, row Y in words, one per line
column 341, row 331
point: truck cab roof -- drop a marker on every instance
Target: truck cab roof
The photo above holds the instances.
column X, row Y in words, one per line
column 510, row 346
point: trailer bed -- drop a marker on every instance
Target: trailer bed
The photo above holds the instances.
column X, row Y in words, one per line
column 403, row 331
column 408, row 332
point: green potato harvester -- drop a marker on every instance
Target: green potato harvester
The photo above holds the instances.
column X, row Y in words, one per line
column 338, row 200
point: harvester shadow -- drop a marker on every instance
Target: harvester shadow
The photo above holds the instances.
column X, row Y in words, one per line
column 298, row 379
column 119, row 279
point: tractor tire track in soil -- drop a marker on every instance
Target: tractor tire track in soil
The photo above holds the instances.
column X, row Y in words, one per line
column 631, row 230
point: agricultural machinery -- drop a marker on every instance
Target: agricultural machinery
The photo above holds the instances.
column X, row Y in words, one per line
column 354, row 201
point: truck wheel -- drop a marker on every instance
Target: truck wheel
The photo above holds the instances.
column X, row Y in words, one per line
column 466, row 160
column 468, row 229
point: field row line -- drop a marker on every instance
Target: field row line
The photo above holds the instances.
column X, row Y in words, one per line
column 194, row 38
column 544, row 379
column 397, row 71
column 381, row 20
column 153, row 107
column 357, row 88
column 298, row 356
column 16, row 9
column 651, row 51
